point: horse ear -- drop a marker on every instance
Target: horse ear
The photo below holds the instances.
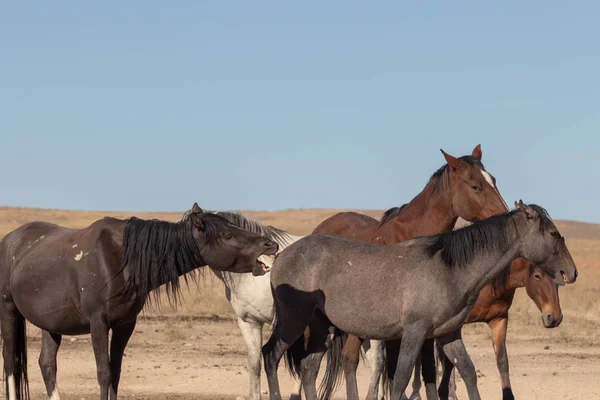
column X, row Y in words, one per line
column 195, row 217
column 196, row 209
column 529, row 212
column 456, row 164
column 476, row 154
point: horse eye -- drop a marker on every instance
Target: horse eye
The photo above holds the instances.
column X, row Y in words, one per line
column 227, row 235
column 476, row 188
column 555, row 233
column 537, row 276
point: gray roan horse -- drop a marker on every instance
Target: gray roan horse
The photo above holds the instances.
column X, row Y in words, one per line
column 91, row 280
column 427, row 287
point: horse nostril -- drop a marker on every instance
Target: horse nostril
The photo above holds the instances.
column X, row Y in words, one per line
column 549, row 319
column 576, row 273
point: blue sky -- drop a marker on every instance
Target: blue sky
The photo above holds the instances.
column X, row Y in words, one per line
column 150, row 106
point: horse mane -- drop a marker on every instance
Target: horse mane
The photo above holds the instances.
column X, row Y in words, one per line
column 458, row 247
column 253, row 226
column 391, row 214
column 159, row 252
column 440, row 177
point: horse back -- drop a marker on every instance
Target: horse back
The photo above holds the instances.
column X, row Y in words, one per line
column 349, row 224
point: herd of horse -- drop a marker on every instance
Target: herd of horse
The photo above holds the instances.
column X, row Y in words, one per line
column 398, row 289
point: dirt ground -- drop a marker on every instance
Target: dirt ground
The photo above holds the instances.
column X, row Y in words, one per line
column 204, row 358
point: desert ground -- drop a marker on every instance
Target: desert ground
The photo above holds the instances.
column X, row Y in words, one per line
column 196, row 351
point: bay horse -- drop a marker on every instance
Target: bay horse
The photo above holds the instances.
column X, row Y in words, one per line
column 92, row 280
column 427, row 287
column 461, row 188
column 492, row 307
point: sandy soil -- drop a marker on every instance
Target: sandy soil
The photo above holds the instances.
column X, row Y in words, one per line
column 204, row 358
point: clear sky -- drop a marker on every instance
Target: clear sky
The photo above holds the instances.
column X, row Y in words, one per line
column 150, row 106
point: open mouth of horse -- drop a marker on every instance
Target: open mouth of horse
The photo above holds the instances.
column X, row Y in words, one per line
column 263, row 266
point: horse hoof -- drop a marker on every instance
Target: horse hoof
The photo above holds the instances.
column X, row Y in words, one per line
column 415, row 397
column 295, row 397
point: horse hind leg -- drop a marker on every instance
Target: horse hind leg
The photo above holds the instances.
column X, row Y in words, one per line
column 47, row 361
column 311, row 362
column 14, row 351
column 289, row 327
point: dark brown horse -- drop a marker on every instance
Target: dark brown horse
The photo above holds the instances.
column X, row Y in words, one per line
column 492, row 307
column 461, row 188
column 92, row 280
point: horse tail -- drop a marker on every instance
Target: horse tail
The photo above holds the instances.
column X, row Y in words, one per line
column 294, row 356
column 19, row 376
column 333, row 372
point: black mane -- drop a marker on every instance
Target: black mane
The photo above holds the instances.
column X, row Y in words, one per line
column 460, row 246
column 159, row 252
column 440, row 177
column 391, row 214
column 243, row 222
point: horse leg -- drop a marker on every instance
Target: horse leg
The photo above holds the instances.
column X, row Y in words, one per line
column 14, row 351
column 498, row 327
column 454, row 348
column 252, row 333
column 350, row 358
column 289, row 327
column 99, row 330
column 118, row 342
column 429, row 370
column 374, row 354
column 416, row 384
column 47, row 361
column 392, row 350
column 413, row 338
column 315, row 350
column 447, row 389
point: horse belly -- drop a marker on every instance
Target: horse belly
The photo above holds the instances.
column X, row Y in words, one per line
column 49, row 301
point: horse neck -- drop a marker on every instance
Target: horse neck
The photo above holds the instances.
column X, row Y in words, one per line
column 428, row 214
column 485, row 265
column 519, row 274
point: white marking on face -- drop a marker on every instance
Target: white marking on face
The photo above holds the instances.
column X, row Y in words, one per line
column 75, row 245
column 488, row 178
column 79, row 256
column 12, row 388
column 55, row 394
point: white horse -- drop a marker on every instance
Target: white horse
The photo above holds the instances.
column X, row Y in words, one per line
column 251, row 299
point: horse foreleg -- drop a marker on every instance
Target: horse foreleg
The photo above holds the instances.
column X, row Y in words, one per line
column 429, row 370
column 447, row 389
column 455, row 350
column 50, row 344
column 499, row 327
column 412, row 342
column 416, row 384
column 120, row 338
column 99, row 330
column 252, row 333
column 374, row 355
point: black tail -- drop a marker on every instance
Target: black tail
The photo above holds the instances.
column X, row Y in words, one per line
column 20, row 361
column 294, row 356
column 333, row 372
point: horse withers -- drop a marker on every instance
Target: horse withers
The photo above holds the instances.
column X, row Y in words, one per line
column 428, row 287
column 92, row 280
